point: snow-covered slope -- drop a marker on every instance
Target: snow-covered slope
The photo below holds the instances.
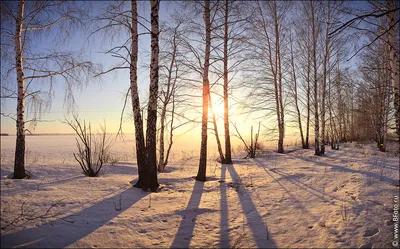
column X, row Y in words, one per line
column 343, row 199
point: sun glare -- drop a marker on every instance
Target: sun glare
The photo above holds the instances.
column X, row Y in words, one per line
column 218, row 109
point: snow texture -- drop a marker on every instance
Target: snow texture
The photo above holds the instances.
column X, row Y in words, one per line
column 343, row 199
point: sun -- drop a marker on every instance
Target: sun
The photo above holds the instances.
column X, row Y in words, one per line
column 218, row 109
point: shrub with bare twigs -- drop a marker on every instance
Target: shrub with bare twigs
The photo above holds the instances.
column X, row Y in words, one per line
column 253, row 146
column 93, row 149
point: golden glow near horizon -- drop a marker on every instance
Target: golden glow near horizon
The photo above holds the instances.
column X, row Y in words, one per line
column 218, row 108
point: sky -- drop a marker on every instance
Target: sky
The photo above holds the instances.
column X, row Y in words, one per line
column 99, row 100
column 103, row 101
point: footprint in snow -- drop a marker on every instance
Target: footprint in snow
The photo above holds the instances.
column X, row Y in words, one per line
column 389, row 222
column 371, row 232
column 369, row 245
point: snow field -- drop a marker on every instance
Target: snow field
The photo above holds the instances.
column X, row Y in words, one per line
column 344, row 199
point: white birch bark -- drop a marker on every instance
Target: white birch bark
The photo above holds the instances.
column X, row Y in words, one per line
column 296, row 102
column 228, row 153
column 201, row 174
column 151, row 140
column 171, row 131
column 31, row 17
column 276, row 73
column 340, row 109
column 168, row 96
column 308, row 98
column 278, row 84
column 394, row 59
column 314, row 50
column 19, row 162
column 139, row 135
column 326, row 65
column 161, row 164
column 219, row 147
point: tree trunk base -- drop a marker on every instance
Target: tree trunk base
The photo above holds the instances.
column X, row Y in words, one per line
column 200, row 179
column 26, row 175
column 146, row 188
column 226, row 161
column 140, row 185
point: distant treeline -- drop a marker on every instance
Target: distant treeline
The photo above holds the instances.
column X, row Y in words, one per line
column 49, row 134
column 56, row 134
column 62, row 134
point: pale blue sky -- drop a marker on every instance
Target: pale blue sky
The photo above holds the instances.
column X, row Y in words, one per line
column 98, row 101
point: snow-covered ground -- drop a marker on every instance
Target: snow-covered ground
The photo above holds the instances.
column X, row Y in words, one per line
column 343, row 199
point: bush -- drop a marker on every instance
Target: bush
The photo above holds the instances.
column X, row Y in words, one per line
column 93, row 150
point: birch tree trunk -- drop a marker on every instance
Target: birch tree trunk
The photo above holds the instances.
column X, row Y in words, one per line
column 201, row 174
column 394, row 60
column 331, row 120
column 380, row 121
column 387, row 79
column 340, row 109
column 171, row 131
column 19, row 162
column 278, row 85
column 168, row 94
column 327, row 54
column 228, row 149
column 36, row 18
column 221, row 154
column 151, row 140
column 139, row 135
column 308, row 98
column 295, row 95
column 276, row 73
column 314, row 49
column 161, row 164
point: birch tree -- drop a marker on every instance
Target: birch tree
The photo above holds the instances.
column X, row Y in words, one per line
column 23, row 24
column 393, row 44
column 228, row 149
column 315, row 78
column 388, row 9
column 295, row 94
column 151, row 138
column 267, row 61
column 228, row 31
column 302, row 53
column 375, row 102
column 201, row 174
column 198, row 20
column 214, row 121
column 278, row 82
column 172, row 70
column 137, row 115
column 325, row 72
column 117, row 18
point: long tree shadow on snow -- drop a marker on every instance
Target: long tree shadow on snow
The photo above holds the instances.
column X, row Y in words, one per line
column 300, row 207
column 224, row 222
column 375, row 161
column 38, row 185
column 345, row 169
column 185, row 231
column 254, row 219
column 292, row 179
column 67, row 230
